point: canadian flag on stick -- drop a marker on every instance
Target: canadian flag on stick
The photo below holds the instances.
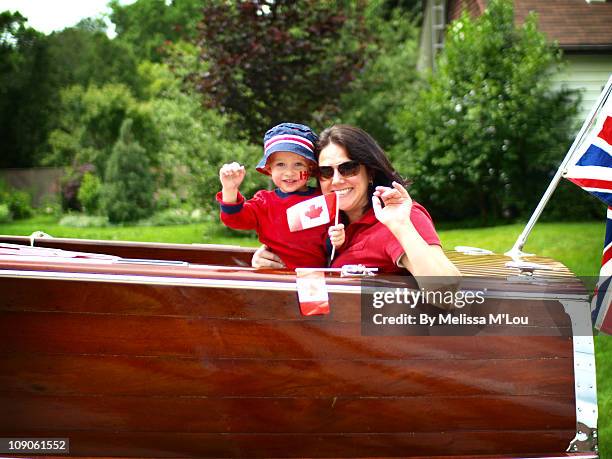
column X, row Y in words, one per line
column 312, row 292
column 313, row 212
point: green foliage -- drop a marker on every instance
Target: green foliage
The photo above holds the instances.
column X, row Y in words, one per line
column 571, row 203
column 84, row 55
column 483, row 136
column 146, row 26
column 195, row 143
column 34, row 68
column 127, row 193
column 603, row 354
column 277, row 61
column 25, row 93
column 18, row 202
column 5, row 213
column 176, row 216
column 50, row 205
column 89, row 193
column 70, row 184
column 84, row 221
column 372, row 99
column 166, row 198
column 184, row 143
column 89, row 123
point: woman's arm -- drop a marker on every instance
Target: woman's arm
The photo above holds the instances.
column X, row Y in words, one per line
column 427, row 263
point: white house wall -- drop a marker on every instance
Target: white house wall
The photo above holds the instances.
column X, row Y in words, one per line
column 587, row 73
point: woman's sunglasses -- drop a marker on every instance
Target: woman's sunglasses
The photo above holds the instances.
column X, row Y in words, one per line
column 346, row 169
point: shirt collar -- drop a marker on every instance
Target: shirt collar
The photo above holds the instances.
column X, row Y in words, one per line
column 366, row 219
column 282, row 194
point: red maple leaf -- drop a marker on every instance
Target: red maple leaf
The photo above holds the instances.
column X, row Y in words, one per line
column 313, row 211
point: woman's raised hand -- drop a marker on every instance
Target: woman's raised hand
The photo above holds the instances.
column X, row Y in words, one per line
column 263, row 258
column 397, row 205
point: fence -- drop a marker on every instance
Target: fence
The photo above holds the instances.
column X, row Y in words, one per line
column 40, row 182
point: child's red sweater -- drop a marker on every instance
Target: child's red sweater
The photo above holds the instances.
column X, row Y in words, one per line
column 266, row 213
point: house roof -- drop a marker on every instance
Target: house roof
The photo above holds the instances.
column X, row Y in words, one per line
column 574, row 24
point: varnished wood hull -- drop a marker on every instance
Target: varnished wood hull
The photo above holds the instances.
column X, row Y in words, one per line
column 130, row 368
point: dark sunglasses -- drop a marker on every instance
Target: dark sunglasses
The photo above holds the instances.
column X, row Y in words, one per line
column 346, row 169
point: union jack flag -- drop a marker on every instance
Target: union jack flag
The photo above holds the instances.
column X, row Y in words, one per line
column 603, row 292
column 590, row 167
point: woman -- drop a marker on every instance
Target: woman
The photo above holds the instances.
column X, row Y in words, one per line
column 398, row 235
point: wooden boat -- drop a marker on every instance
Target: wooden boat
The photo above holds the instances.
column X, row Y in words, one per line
column 192, row 353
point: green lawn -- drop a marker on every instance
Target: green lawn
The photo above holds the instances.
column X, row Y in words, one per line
column 577, row 245
column 186, row 234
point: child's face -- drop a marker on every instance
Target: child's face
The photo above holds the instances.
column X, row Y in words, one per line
column 289, row 171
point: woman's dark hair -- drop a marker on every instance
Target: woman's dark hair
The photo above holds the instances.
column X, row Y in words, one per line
column 361, row 147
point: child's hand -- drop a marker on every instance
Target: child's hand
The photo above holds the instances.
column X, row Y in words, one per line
column 231, row 176
column 336, row 235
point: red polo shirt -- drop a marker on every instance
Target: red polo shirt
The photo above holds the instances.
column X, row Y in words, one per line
column 370, row 243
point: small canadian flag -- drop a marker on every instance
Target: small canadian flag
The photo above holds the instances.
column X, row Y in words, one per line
column 313, row 212
column 312, row 292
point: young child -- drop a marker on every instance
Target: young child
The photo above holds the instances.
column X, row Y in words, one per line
column 289, row 159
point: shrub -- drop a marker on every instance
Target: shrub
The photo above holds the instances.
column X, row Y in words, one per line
column 83, row 221
column 166, row 198
column 127, row 193
column 5, row 214
column 175, row 216
column 482, row 138
column 71, row 183
column 89, row 193
column 18, row 202
column 50, row 205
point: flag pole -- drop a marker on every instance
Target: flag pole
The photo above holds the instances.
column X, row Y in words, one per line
column 333, row 252
column 516, row 252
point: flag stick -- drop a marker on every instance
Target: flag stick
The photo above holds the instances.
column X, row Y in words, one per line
column 516, row 251
column 333, row 252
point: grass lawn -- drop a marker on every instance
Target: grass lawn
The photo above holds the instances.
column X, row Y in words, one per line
column 577, row 245
column 185, row 234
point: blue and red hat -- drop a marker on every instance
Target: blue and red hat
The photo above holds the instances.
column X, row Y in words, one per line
column 291, row 137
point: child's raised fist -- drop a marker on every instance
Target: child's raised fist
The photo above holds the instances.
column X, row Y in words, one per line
column 231, row 175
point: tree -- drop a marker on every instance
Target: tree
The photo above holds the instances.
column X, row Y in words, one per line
column 85, row 55
column 195, row 143
column 89, row 122
column 484, row 134
column 35, row 68
column 25, row 93
column 372, row 99
column 147, row 25
column 127, row 193
column 273, row 61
